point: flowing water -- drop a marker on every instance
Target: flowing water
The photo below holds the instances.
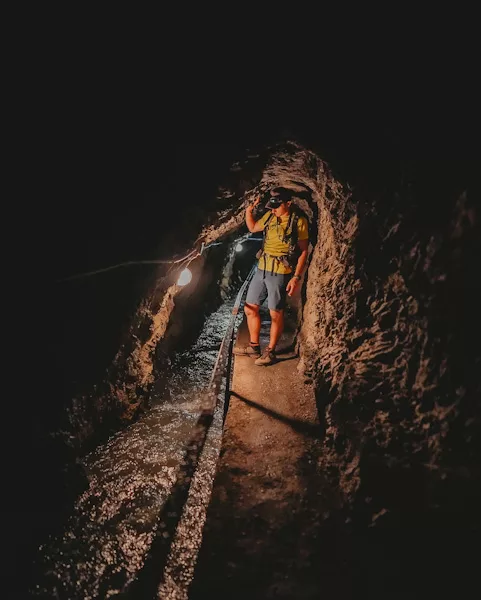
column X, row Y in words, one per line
column 106, row 541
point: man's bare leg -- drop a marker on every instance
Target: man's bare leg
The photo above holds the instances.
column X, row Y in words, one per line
column 253, row 322
column 277, row 327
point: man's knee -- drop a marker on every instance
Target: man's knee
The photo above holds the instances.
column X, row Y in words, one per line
column 251, row 309
column 276, row 315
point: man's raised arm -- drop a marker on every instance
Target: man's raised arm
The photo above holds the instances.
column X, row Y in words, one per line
column 252, row 224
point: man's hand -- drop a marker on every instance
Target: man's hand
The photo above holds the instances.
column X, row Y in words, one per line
column 292, row 286
column 250, row 221
column 250, row 207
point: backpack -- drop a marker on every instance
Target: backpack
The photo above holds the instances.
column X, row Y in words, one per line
column 290, row 236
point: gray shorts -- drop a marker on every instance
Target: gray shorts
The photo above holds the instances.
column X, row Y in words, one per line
column 271, row 286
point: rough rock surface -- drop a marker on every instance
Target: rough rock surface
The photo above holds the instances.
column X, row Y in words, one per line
column 388, row 332
column 388, row 336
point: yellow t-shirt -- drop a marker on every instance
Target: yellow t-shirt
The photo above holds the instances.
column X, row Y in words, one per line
column 274, row 246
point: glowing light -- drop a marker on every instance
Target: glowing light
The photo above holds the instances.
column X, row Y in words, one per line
column 238, row 248
column 185, row 277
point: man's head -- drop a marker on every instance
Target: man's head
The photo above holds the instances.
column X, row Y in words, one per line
column 279, row 202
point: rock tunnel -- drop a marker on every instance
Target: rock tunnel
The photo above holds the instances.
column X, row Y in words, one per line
column 387, row 332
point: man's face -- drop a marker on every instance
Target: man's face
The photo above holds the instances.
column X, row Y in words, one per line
column 281, row 210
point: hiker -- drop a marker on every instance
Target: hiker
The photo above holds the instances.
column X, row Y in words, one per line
column 285, row 233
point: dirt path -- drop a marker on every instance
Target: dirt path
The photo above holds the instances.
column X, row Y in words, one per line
column 261, row 533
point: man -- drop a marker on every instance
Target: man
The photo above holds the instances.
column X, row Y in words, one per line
column 274, row 277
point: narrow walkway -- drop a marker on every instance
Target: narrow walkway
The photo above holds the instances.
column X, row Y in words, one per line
column 266, row 508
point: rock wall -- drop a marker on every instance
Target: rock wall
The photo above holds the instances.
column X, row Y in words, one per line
column 388, row 336
column 390, row 304
column 389, row 325
column 389, row 328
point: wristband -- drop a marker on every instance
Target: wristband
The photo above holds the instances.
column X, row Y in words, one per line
column 298, row 277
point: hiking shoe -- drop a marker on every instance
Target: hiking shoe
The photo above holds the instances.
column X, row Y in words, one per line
column 268, row 358
column 247, row 350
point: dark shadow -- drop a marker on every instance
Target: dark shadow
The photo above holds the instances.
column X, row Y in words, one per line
column 303, row 427
column 289, row 348
column 283, row 359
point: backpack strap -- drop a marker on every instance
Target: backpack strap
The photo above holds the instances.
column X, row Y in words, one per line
column 261, row 253
column 292, row 228
column 290, row 236
column 291, row 232
column 266, row 225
